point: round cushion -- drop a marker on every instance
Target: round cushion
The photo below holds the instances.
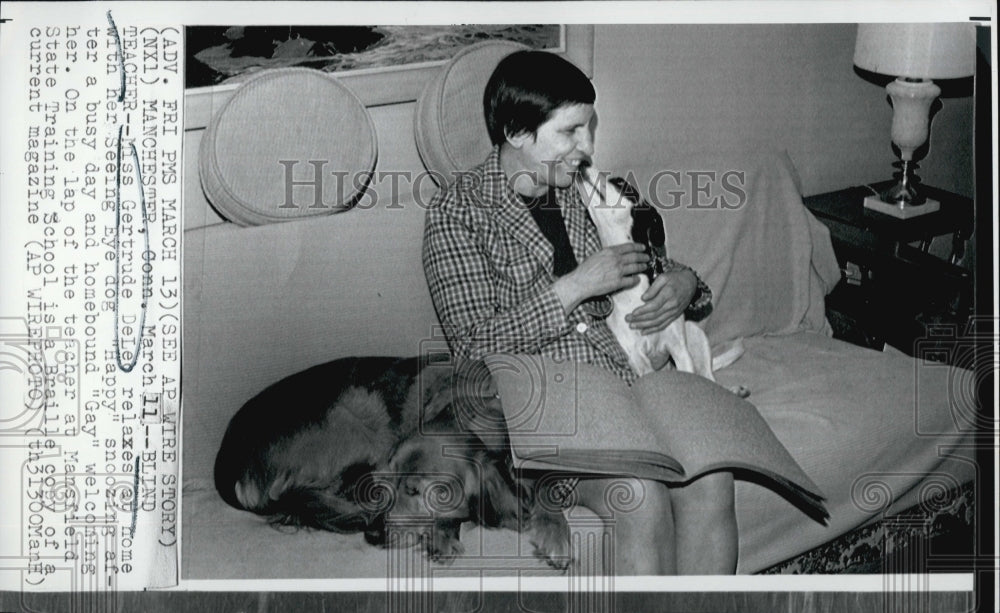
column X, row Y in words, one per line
column 279, row 133
column 449, row 125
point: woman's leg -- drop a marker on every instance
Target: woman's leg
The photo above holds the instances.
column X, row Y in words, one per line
column 705, row 520
column 637, row 515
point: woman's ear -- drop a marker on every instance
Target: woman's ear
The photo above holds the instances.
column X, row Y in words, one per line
column 519, row 139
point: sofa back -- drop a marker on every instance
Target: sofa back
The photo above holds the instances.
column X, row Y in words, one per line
column 263, row 302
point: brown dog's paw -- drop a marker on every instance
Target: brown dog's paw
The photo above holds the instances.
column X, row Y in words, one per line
column 551, row 539
column 442, row 543
column 740, row 390
column 444, row 551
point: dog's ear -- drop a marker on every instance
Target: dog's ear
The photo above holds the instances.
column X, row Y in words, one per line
column 320, row 508
column 648, row 223
column 495, row 502
column 408, row 457
column 477, row 408
column 434, row 387
column 628, row 190
column 655, row 233
column 375, row 533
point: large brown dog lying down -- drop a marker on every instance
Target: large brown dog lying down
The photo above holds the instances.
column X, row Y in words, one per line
column 384, row 446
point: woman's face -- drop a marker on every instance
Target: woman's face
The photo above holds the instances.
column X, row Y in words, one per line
column 552, row 155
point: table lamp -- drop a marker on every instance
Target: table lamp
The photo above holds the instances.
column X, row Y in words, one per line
column 914, row 53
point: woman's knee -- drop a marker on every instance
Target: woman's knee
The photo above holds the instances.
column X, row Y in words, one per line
column 714, row 494
column 621, row 498
column 638, row 514
column 652, row 495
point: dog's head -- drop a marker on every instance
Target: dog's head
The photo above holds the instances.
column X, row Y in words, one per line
column 434, row 476
column 444, row 474
column 609, row 209
column 621, row 215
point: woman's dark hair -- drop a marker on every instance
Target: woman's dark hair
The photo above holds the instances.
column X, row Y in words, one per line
column 526, row 87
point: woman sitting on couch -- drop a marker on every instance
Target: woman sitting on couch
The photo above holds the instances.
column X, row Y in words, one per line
column 514, row 265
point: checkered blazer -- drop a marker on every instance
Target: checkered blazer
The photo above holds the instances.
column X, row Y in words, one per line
column 490, row 273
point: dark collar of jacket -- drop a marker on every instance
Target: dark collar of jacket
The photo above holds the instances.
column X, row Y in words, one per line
column 510, row 213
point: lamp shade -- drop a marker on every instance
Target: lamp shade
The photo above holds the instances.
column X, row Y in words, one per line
column 917, row 50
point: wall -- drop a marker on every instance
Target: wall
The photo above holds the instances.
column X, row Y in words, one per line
column 669, row 90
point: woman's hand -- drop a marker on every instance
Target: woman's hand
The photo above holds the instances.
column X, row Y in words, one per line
column 606, row 271
column 664, row 301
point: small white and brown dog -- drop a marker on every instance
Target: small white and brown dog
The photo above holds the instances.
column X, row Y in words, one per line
column 623, row 218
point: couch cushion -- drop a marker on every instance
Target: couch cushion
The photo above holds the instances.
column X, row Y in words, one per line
column 286, row 121
column 877, row 432
column 449, row 126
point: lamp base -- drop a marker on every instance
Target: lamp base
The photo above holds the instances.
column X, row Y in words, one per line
column 902, row 210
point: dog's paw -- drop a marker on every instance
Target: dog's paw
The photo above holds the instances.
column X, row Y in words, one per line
column 444, row 550
column 380, row 538
column 442, row 542
column 740, row 390
column 551, row 538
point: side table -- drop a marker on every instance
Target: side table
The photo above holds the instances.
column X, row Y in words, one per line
column 892, row 289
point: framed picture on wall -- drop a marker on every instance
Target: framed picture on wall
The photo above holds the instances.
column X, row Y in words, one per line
column 381, row 64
